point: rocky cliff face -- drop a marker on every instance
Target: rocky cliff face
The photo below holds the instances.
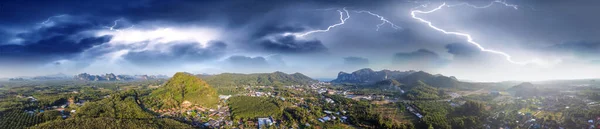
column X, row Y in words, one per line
column 367, row 75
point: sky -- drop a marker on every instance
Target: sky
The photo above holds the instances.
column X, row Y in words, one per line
column 485, row 40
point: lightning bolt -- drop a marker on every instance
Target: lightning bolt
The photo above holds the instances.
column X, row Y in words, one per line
column 516, row 7
column 115, row 24
column 468, row 36
column 342, row 21
column 49, row 20
column 384, row 21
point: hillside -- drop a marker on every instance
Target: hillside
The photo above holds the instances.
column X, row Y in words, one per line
column 388, row 82
column 422, row 91
column 524, row 89
column 433, row 80
column 184, row 89
column 257, row 79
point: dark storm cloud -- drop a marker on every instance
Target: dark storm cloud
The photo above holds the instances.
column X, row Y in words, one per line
column 61, row 40
column 420, row 59
column 178, row 53
column 292, row 45
column 244, row 61
column 237, row 12
column 583, row 49
column 5, row 37
column 356, row 61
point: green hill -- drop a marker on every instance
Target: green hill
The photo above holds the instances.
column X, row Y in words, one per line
column 184, row 87
column 257, row 79
column 432, row 80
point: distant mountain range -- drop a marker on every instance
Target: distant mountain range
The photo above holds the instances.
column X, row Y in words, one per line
column 257, row 79
column 89, row 77
column 113, row 77
column 367, row 76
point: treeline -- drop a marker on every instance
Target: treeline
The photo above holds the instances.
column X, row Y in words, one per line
column 257, row 79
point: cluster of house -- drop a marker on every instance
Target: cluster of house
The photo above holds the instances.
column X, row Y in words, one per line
column 60, row 108
column 332, row 92
column 259, row 94
column 332, row 116
column 318, row 85
column 594, row 124
column 217, row 123
column 329, row 100
column 29, row 98
column 264, row 123
column 414, row 110
column 459, row 103
column 63, row 114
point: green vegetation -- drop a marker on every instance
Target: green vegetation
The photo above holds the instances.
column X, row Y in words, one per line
column 123, row 105
column 441, row 116
column 17, row 119
column 121, row 110
column 479, row 97
column 432, row 80
column 425, row 104
column 243, row 107
column 183, row 87
column 366, row 115
column 112, row 123
column 422, row 91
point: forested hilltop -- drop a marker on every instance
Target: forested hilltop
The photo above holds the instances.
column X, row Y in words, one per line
column 257, row 79
column 183, row 89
